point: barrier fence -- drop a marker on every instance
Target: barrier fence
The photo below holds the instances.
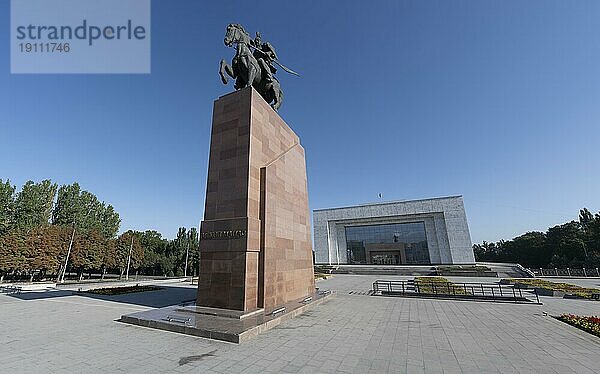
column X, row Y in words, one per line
column 568, row 273
column 459, row 290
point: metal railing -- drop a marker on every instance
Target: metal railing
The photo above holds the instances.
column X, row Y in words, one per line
column 525, row 270
column 567, row 273
column 459, row 290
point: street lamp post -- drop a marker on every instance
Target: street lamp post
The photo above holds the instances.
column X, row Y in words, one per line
column 129, row 257
column 187, row 253
column 61, row 277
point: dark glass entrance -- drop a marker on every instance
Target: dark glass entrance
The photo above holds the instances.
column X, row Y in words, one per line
column 387, row 244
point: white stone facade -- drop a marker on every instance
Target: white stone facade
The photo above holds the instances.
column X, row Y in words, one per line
column 446, row 228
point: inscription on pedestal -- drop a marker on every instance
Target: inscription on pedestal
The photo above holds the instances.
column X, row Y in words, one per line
column 222, row 235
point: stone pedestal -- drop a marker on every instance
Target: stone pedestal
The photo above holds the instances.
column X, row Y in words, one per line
column 255, row 247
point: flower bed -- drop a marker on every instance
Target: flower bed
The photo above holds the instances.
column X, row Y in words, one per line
column 122, row 290
column 438, row 285
column 567, row 288
column 589, row 324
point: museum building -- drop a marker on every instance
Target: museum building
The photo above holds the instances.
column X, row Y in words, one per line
column 415, row 232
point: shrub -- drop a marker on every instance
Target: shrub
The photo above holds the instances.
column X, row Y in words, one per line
column 563, row 287
column 438, row 285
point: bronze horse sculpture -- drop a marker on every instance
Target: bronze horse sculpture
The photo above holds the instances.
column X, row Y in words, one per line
column 252, row 65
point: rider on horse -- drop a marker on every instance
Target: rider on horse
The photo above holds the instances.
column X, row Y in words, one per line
column 253, row 65
column 265, row 55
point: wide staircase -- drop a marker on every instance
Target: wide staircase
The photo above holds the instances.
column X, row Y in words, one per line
column 484, row 269
column 507, row 270
column 381, row 270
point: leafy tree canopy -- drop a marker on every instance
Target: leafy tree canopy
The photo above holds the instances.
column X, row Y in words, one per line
column 33, row 205
column 7, row 205
column 85, row 211
column 575, row 244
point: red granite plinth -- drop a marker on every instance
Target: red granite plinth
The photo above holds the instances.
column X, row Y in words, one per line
column 255, row 247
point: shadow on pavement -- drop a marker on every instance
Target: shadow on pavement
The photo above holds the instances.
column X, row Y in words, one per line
column 165, row 296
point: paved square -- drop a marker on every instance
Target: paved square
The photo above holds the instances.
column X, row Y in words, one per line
column 352, row 333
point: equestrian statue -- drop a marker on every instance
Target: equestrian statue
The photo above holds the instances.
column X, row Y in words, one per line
column 253, row 65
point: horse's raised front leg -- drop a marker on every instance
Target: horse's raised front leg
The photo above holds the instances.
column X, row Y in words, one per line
column 225, row 68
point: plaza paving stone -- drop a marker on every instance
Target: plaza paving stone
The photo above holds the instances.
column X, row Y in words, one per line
column 353, row 333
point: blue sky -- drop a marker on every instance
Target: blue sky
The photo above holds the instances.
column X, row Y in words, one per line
column 496, row 100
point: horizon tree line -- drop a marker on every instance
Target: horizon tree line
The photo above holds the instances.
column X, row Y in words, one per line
column 575, row 244
column 39, row 223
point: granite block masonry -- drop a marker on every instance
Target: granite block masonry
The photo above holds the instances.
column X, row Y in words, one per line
column 255, row 247
column 256, row 263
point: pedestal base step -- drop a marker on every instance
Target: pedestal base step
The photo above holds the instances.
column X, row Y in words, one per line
column 227, row 313
column 221, row 324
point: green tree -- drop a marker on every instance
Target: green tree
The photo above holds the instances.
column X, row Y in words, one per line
column 590, row 226
column 68, row 208
column 94, row 223
column 110, row 220
column 567, row 245
column 82, row 208
column 194, row 258
column 529, row 250
column 174, row 258
column 490, row 252
column 154, row 253
column 33, row 205
column 574, row 244
column 7, row 205
column 129, row 242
